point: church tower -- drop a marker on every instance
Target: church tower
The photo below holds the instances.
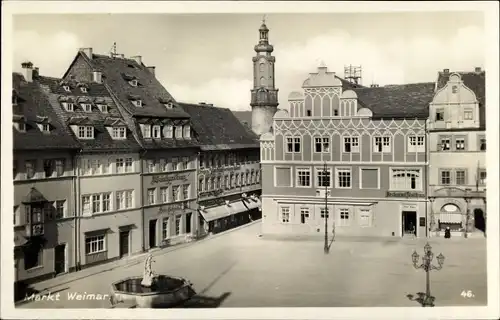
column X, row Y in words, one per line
column 264, row 101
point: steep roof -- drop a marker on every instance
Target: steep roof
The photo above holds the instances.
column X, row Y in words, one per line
column 96, row 93
column 397, row 101
column 474, row 81
column 245, row 117
column 218, row 128
column 33, row 107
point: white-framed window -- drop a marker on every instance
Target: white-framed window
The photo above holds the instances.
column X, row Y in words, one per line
column 324, row 212
column 67, row 88
column 137, row 103
column 103, row 108
column 303, row 177
column 146, row 131
column 68, row 106
column 168, row 131
column 293, row 144
column 86, row 132
column 323, row 178
column 83, row 89
column 178, row 219
column 87, row 107
column 344, row 215
column 185, row 163
column 151, row 196
column 344, row 178
column 365, row 217
column 165, row 228
column 30, row 166
column 468, row 114
column 482, row 177
column 445, row 143
column 87, row 204
column 96, row 203
column 164, row 194
column 482, row 144
column 175, row 163
column 60, row 209
column 304, row 215
column 151, row 165
column 178, row 132
column 460, row 177
column 156, row 132
column 382, row 144
column 406, row 179
column 176, row 193
column 106, row 202
column 95, row 166
column 124, row 199
column 459, row 143
column 86, row 167
column 21, row 126
column 416, row 144
column 187, row 131
column 120, row 165
column 133, row 83
column 445, row 177
column 129, row 165
column 186, row 187
column 45, row 127
column 119, row 133
column 95, row 244
column 439, row 115
column 285, row 214
column 351, row 144
column 321, row 144
column 169, row 105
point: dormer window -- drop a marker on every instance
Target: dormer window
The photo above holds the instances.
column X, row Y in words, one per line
column 169, row 105
column 87, row 107
column 187, row 132
column 137, row 103
column 168, row 131
column 67, row 88
column 45, row 127
column 146, row 131
column 86, row 132
column 178, row 132
column 156, row 132
column 119, row 133
column 103, row 108
column 68, row 106
column 20, row 126
column 133, row 83
column 83, row 89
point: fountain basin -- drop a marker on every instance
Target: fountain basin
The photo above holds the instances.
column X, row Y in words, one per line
column 165, row 292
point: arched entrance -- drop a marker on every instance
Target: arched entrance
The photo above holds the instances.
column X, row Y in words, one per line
column 479, row 222
column 450, row 217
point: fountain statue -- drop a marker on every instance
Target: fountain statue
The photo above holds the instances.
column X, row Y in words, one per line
column 151, row 290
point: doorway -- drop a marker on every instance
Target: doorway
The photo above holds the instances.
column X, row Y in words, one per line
column 60, row 259
column 409, row 221
column 152, row 233
column 124, row 242
column 188, row 222
column 479, row 222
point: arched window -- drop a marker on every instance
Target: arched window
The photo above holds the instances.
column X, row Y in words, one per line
column 406, row 179
column 261, row 67
column 262, row 81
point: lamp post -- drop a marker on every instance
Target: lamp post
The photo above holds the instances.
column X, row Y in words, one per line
column 326, row 248
column 427, row 266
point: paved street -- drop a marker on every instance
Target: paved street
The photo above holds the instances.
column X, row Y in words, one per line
column 255, row 272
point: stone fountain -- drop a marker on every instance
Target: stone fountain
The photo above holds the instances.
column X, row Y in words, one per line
column 151, row 290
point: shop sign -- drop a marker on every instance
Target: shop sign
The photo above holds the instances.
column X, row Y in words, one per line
column 219, row 170
column 172, row 207
column 169, row 178
column 409, row 207
column 212, row 202
column 404, row 194
column 212, row 193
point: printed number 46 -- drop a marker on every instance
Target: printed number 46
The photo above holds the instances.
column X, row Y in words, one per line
column 467, row 294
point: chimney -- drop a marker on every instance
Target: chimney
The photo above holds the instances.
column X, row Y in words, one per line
column 446, row 71
column 36, row 72
column 152, row 70
column 137, row 59
column 97, row 76
column 88, row 52
column 477, row 69
column 27, row 71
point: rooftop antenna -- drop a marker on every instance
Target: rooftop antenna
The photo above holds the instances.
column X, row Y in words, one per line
column 353, row 74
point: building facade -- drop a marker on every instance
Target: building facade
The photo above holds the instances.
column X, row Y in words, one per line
column 229, row 180
column 44, row 183
column 457, row 152
column 168, row 161
column 371, row 141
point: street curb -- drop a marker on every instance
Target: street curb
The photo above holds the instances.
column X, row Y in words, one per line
column 132, row 260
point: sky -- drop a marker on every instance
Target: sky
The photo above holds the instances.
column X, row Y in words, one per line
column 208, row 57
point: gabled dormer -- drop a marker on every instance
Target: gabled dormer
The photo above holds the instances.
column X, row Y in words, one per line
column 65, row 85
column 116, row 127
column 135, row 100
column 82, row 127
column 168, row 103
column 102, row 105
column 68, row 104
column 84, row 88
column 132, row 80
column 44, row 124
column 19, row 122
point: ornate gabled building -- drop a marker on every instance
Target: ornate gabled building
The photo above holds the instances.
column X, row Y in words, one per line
column 362, row 150
column 43, row 172
column 168, row 163
column 229, row 170
column 457, row 152
column 108, row 170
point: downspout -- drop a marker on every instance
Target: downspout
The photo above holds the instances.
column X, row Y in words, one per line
column 427, row 223
column 76, row 214
column 141, row 201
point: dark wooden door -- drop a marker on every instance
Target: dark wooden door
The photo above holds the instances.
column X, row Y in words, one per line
column 124, row 241
column 188, row 222
column 60, row 258
column 152, row 233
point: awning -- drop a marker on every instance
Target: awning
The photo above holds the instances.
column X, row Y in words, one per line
column 211, row 214
column 450, row 217
column 252, row 204
column 236, row 207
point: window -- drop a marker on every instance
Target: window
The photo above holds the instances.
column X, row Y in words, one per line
column 95, row 244
column 439, row 115
column 45, row 128
column 83, row 89
column 103, row 108
column 164, row 194
column 175, row 193
column 309, row 114
column 67, row 88
column 468, row 114
column 151, row 165
column 365, row 217
column 416, row 144
column 124, row 199
column 48, row 168
column 129, row 165
column 482, row 144
column 454, row 89
column 85, row 132
column 106, row 202
column 304, row 215
column 168, row 131
column 151, row 196
column 406, row 179
column 445, row 143
column 382, row 144
column 59, row 167
column 344, row 217
column 460, row 177
column 164, row 228
column 14, row 168
column 133, row 83
column 175, row 163
column 156, row 132
column 187, row 132
column 95, row 166
column 323, row 177
column 185, row 190
column 351, row 144
column 137, row 103
column 285, row 214
column 86, row 203
column 325, row 212
column 87, row 107
column 344, row 178
column 226, row 182
column 96, row 203
column 207, row 184
column 293, row 144
column 185, row 163
column 459, row 143
column 30, row 166
column 303, row 177
column 335, row 112
column 60, row 209
column 482, row 177
column 146, row 131
column 178, row 225
column 119, row 133
column 69, row 106
column 33, row 259
column 322, row 144
column 21, row 126
column 201, row 186
column 120, row 165
column 169, row 105
column 178, row 132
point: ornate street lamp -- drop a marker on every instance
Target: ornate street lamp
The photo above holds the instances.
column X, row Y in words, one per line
column 427, row 266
